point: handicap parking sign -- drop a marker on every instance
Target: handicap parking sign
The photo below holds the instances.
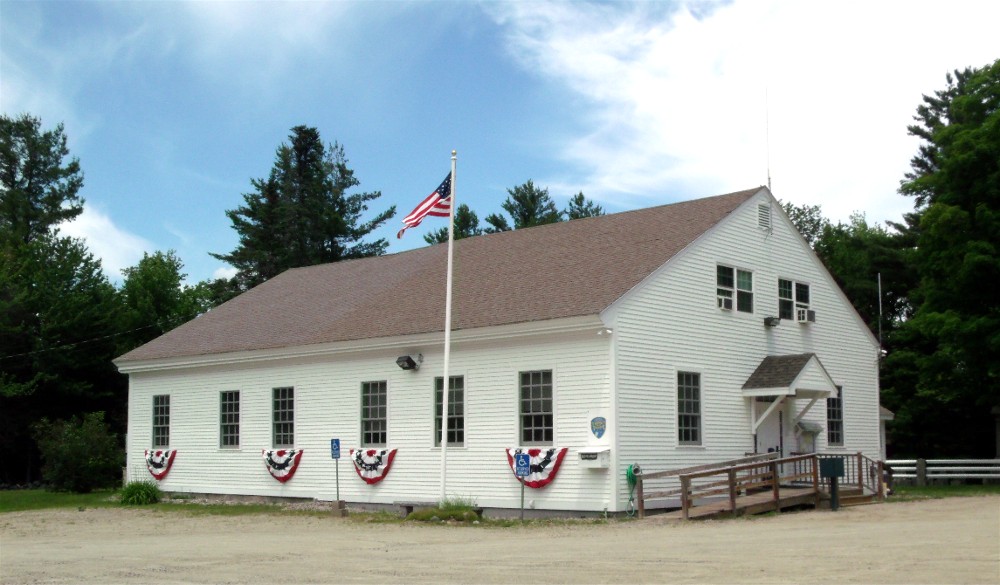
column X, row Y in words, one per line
column 522, row 465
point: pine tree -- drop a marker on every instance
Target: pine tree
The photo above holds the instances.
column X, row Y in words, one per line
column 528, row 206
column 466, row 226
column 953, row 338
column 580, row 207
column 302, row 215
column 38, row 188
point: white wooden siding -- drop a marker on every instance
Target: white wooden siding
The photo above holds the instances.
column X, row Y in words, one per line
column 672, row 323
column 327, row 405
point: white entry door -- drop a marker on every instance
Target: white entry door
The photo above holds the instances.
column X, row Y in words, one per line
column 770, row 430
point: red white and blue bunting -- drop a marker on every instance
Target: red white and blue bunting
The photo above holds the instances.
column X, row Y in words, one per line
column 544, row 465
column 158, row 462
column 372, row 465
column 282, row 463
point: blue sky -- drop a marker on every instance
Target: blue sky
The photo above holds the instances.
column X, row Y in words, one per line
column 173, row 107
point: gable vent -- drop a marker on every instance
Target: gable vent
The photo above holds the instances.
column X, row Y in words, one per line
column 764, row 216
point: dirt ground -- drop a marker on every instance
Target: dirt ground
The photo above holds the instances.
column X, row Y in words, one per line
column 955, row 540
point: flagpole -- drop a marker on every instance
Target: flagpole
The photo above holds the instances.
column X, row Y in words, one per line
column 445, row 382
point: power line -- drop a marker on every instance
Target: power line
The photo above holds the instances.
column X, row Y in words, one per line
column 73, row 344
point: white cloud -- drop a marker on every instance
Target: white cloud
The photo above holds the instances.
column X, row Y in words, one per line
column 116, row 248
column 226, row 272
column 677, row 96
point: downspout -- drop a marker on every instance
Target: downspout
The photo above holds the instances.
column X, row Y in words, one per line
column 613, row 504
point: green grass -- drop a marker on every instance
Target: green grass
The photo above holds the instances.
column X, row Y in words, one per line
column 21, row 500
column 906, row 493
column 454, row 511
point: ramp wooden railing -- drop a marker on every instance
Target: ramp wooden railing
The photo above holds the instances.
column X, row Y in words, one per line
column 860, row 472
column 668, row 482
column 749, row 476
column 756, row 473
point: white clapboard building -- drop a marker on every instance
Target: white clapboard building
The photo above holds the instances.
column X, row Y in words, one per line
column 671, row 336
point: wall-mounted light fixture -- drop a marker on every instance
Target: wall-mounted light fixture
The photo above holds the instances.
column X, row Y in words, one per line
column 771, row 321
column 410, row 362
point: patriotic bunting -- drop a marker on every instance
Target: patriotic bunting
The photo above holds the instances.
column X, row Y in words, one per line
column 282, row 463
column 372, row 465
column 158, row 462
column 544, row 465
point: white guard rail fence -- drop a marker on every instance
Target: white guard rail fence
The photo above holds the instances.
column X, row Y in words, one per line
column 924, row 471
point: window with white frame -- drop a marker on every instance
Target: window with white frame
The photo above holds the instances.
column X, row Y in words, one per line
column 229, row 418
column 835, row 419
column 161, row 420
column 734, row 289
column 456, row 410
column 792, row 297
column 536, row 408
column 374, row 414
column 688, row 408
column 283, row 416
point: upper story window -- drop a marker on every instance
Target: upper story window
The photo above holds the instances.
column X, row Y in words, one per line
column 161, row 420
column 456, row 410
column 734, row 289
column 793, row 297
column 536, row 408
column 283, row 416
column 374, row 413
column 229, row 418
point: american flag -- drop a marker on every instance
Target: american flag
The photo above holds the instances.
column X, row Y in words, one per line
column 437, row 204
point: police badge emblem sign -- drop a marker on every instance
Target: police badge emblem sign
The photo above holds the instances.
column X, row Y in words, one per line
column 598, row 425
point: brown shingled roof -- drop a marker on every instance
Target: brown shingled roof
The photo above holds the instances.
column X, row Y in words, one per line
column 778, row 371
column 567, row 269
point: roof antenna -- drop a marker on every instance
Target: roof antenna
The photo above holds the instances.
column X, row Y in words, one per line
column 767, row 136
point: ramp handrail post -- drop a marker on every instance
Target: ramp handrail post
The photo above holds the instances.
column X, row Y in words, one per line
column 861, row 472
column 774, row 484
column 881, row 486
column 815, row 474
column 732, row 490
column 685, row 495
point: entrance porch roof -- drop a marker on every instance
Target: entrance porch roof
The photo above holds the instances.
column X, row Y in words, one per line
column 800, row 376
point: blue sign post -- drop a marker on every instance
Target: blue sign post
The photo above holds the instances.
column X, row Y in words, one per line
column 335, row 454
column 522, row 469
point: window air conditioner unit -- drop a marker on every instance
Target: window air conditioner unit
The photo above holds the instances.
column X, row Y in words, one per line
column 805, row 316
column 725, row 303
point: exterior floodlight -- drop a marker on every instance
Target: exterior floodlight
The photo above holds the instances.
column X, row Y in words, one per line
column 407, row 362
